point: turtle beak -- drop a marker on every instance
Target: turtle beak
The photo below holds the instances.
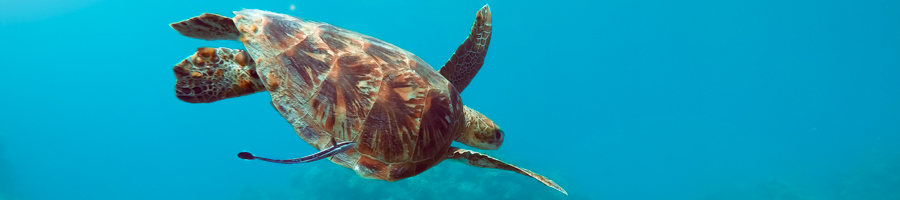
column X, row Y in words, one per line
column 184, row 89
column 190, row 89
column 185, row 94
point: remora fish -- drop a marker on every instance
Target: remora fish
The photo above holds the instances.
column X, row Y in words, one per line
column 335, row 148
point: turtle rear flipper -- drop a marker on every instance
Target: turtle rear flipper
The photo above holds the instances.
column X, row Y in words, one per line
column 468, row 58
column 208, row 27
column 481, row 160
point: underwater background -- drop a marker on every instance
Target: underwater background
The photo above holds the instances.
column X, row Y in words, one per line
column 612, row 99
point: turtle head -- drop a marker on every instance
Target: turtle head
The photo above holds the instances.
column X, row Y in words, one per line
column 214, row 74
column 480, row 132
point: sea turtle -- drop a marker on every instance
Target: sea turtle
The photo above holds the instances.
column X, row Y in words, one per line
column 332, row 84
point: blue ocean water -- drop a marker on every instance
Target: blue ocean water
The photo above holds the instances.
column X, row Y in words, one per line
column 611, row 99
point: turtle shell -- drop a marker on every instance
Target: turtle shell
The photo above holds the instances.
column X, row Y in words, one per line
column 329, row 82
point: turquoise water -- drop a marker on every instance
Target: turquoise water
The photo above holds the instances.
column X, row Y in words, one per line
column 611, row 99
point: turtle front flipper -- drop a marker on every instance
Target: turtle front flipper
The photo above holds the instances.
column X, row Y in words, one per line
column 214, row 74
column 208, row 27
column 481, row 160
column 468, row 58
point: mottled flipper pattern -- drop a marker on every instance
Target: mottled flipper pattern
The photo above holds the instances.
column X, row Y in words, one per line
column 481, row 160
column 208, row 27
column 469, row 57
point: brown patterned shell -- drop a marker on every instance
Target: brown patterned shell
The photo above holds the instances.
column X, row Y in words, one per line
column 331, row 82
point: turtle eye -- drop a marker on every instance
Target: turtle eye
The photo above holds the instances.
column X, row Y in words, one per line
column 242, row 58
column 498, row 134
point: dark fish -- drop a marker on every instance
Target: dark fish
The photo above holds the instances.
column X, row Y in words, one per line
column 335, row 148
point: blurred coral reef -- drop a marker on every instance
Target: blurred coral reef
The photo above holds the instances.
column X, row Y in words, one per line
column 877, row 179
column 446, row 181
column 776, row 189
column 6, row 175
